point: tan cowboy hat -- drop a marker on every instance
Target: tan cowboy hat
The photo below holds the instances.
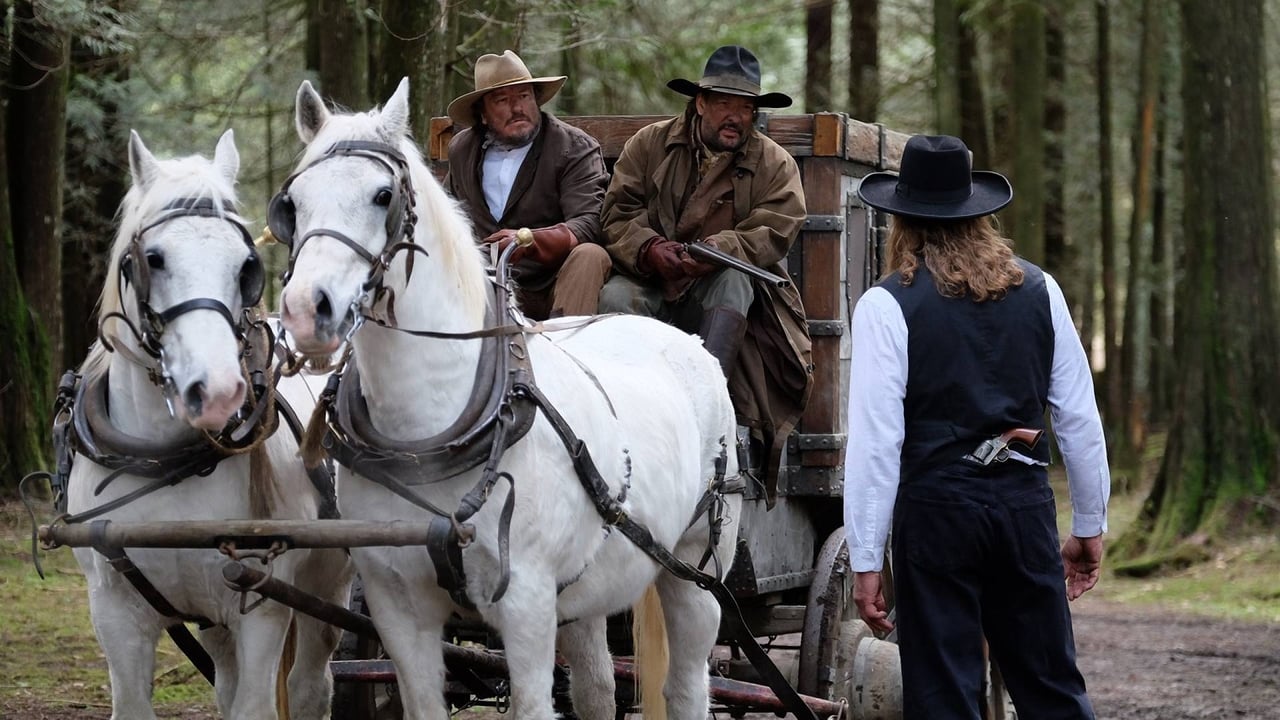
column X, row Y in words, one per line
column 498, row 71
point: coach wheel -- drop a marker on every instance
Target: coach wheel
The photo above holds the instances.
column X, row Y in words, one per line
column 831, row 624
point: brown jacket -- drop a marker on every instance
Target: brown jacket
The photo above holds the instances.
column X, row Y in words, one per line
column 651, row 194
column 562, row 180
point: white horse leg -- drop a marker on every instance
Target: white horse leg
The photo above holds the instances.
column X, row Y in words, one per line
column 692, row 616
column 585, row 646
column 326, row 574
column 526, row 620
column 220, row 645
column 129, row 642
column 410, row 618
column 259, row 641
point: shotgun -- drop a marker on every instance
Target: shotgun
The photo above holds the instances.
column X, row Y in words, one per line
column 709, row 254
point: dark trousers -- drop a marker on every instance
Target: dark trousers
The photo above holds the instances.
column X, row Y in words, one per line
column 976, row 553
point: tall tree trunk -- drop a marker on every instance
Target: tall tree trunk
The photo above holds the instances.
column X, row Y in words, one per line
column 1028, row 133
column 864, row 62
column 946, row 67
column 25, row 377
column 1113, row 412
column 96, row 171
column 344, row 53
column 817, row 57
column 571, row 61
column 1224, row 442
column 1136, row 335
column 974, row 127
column 1057, row 256
column 1162, row 270
column 410, row 48
column 37, row 143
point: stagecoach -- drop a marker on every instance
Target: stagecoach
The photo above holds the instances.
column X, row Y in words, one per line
column 791, row 577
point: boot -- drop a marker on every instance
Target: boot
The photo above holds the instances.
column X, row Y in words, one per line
column 723, row 329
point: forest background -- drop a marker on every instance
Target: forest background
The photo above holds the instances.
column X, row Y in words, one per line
column 1137, row 135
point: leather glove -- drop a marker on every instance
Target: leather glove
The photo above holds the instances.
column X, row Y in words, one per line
column 663, row 257
column 550, row 246
column 695, row 268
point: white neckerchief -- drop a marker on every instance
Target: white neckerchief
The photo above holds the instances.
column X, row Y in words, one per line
column 498, row 173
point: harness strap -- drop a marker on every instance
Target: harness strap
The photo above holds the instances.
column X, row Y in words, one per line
column 181, row 636
column 321, row 475
column 613, row 513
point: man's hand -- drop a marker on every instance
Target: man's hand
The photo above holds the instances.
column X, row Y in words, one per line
column 868, row 597
column 696, row 268
column 1081, row 564
column 548, row 246
column 664, row 257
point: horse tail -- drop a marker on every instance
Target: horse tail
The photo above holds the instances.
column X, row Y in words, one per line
column 287, row 656
column 649, row 635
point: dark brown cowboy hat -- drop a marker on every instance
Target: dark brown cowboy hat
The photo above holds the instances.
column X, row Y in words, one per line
column 732, row 69
column 499, row 71
column 936, row 182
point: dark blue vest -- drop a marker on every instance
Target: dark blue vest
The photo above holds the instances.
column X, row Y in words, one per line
column 974, row 369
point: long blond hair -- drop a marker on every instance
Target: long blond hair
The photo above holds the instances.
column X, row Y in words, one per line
column 968, row 258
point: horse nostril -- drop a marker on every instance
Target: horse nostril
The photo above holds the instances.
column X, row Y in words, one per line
column 324, row 308
column 194, row 398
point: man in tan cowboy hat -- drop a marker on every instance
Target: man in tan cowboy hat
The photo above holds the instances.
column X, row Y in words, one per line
column 517, row 167
column 957, row 355
column 707, row 175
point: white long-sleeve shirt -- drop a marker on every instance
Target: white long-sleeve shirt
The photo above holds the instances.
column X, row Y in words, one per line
column 878, row 386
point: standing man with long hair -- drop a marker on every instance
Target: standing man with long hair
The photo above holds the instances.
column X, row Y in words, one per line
column 957, row 354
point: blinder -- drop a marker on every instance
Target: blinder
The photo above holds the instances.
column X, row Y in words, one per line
column 136, row 271
column 282, row 214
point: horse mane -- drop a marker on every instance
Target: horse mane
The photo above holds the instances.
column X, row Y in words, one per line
column 194, row 177
column 442, row 224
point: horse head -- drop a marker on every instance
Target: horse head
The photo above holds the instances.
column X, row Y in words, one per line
column 359, row 207
column 183, row 271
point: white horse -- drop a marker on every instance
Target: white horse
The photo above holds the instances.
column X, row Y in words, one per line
column 182, row 286
column 648, row 401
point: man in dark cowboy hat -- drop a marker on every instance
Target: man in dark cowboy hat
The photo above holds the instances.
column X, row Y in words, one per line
column 708, row 176
column 516, row 167
column 959, row 349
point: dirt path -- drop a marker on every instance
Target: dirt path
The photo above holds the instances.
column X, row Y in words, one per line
column 1158, row 665
column 1140, row 665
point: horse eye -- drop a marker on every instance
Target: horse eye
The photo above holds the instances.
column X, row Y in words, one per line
column 155, row 260
column 383, row 198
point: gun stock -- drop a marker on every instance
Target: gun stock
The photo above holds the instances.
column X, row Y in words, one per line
column 707, row 253
column 1026, row 436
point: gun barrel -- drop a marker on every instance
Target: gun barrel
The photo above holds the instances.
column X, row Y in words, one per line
column 707, row 253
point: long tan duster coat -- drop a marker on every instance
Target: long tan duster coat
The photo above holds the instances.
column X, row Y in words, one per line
column 655, row 192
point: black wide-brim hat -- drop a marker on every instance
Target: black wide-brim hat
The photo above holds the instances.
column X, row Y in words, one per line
column 732, row 69
column 936, row 182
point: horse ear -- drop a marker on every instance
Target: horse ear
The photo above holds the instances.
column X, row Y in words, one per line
column 311, row 113
column 395, row 114
column 226, row 158
column 142, row 164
